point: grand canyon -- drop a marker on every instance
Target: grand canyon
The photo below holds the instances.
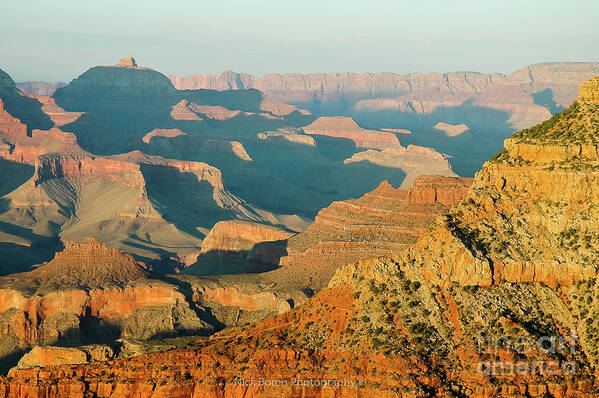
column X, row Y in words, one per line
column 320, row 235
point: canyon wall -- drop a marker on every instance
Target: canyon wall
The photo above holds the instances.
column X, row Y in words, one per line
column 562, row 78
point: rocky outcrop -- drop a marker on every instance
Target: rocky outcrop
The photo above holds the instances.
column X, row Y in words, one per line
column 65, row 166
column 214, row 112
column 182, row 111
column 397, row 131
column 279, row 108
column 344, row 127
column 166, row 133
column 186, row 110
column 589, row 91
column 203, row 171
column 434, row 189
column 89, row 264
column 237, row 148
column 140, row 311
column 127, row 62
column 414, row 161
column 513, row 204
column 236, row 235
column 101, row 87
column 227, row 80
column 11, row 125
column 7, row 84
column 451, row 130
column 233, row 297
column 40, row 357
column 244, row 245
column 55, row 134
column 550, row 152
column 25, row 154
column 124, row 168
column 283, row 137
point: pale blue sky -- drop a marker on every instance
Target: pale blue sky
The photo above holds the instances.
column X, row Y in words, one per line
column 58, row 40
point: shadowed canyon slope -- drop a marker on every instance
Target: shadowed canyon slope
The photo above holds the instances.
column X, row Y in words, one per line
column 516, row 257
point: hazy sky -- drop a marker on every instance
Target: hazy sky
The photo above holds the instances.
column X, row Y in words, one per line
column 59, row 39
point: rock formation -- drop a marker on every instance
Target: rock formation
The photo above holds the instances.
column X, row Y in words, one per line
column 279, row 108
column 397, row 131
column 451, row 130
column 511, row 206
column 181, row 111
column 214, row 112
column 344, row 127
column 413, row 161
column 64, row 166
column 52, row 356
column 245, row 302
column 562, row 79
column 218, row 147
column 59, row 116
column 89, row 264
column 589, row 91
column 128, row 62
column 11, row 125
column 167, row 133
column 275, row 136
column 240, row 246
column 381, row 222
column 185, row 110
column 100, row 86
column 237, row 235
